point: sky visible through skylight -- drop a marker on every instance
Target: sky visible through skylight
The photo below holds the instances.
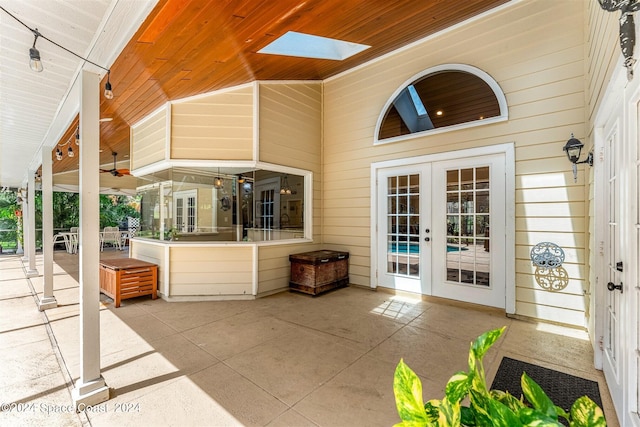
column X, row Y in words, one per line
column 417, row 102
column 308, row 46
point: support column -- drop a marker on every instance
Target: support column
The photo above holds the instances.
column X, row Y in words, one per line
column 90, row 388
column 25, row 223
column 30, row 225
column 48, row 300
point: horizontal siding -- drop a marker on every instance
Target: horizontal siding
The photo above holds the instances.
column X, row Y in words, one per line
column 274, row 268
column 149, row 140
column 534, row 50
column 603, row 58
column 151, row 253
column 226, row 270
column 214, row 127
column 290, row 117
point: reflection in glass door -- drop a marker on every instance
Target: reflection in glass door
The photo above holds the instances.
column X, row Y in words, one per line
column 184, row 210
column 404, row 248
column 467, row 225
column 403, row 225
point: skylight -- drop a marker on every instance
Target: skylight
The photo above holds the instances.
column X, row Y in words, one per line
column 417, row 102
column 307, row 46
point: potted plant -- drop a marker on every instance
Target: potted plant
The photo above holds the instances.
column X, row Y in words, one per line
column 490, row 408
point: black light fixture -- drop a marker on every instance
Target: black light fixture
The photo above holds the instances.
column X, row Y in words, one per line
column 58, row 154
column 573, row 148
column 78, row 135
column 70, row 152
column 34, row 54
column 107, row 87
column 35, row 63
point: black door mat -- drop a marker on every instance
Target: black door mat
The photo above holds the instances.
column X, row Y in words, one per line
column 563, row 389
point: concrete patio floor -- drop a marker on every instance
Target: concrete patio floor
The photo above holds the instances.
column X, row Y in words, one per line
column 284, row 360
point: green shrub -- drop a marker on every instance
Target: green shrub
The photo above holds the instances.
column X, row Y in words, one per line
column 487, row 408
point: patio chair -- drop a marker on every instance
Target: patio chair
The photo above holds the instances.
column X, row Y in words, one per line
column 73, row 240
column 61, row 238
column 112, row 236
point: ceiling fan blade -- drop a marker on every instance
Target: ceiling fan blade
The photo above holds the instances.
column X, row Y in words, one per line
column 123, row 172
column 105, row 170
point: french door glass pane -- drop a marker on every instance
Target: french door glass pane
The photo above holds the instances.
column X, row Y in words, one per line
column 467, row 222
column 403, row 225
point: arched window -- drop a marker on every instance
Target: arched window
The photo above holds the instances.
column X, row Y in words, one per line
column 446, row 97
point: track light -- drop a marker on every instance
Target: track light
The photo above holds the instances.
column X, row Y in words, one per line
column 107, row 87
column 34, row 54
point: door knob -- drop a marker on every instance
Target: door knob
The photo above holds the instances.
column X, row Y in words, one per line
column 612, row 287
column 427, row 239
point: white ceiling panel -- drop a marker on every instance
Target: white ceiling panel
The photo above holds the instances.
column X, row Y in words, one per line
column 30, row 102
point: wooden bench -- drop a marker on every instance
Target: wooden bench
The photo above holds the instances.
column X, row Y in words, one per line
column 124, row 278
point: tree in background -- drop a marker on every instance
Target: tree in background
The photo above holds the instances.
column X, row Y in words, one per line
column 8, row 220
column 114, row 211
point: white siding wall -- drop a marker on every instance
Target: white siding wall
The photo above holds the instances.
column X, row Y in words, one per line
column 290, row 117
column 149, row 139
column 218, row 126
column 217, row 271
column 602, row 57
column 534, row 50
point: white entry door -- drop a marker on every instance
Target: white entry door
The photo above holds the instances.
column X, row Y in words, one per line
column 441, row 229
column 613, row 351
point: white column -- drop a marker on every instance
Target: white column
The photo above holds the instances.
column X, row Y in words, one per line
column 30, row 226
column 90, row 388
column 48, row 300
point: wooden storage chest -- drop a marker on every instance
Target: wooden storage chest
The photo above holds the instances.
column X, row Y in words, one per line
column 128, row 278
column 319, row 271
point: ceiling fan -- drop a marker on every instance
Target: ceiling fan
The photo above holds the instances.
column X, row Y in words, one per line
column 115, row 171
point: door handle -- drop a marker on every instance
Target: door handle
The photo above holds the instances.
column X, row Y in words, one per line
column 612, row 287
column 619, row 266
column 427, row 231
column 427, row 239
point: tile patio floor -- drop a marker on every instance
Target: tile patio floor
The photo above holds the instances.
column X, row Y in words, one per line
column 284, row 360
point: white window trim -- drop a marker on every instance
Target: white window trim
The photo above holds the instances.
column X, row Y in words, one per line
column 495, row 87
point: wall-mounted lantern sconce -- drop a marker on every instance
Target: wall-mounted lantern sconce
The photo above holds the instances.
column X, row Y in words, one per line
column 573, row 147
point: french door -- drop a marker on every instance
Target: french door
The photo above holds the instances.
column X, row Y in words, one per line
column 441, row 229
column 184, row 210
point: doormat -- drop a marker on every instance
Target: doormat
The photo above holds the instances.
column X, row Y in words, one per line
column 563, row 389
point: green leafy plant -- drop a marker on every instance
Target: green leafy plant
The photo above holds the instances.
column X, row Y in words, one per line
column 486, row 408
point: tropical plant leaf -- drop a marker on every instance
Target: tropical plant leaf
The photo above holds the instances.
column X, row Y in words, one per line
column 530, row 417
column 449, row 414
column 407, row 388
column 507, row 399
column 537, row 397
column 467, row 417
column 432, row 411
column 502, row 416
column 458, row 387
column 480, row 406
column 481, row 344
column 585, row 413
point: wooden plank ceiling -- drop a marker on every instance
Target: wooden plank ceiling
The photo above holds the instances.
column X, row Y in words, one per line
column 187, row 47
